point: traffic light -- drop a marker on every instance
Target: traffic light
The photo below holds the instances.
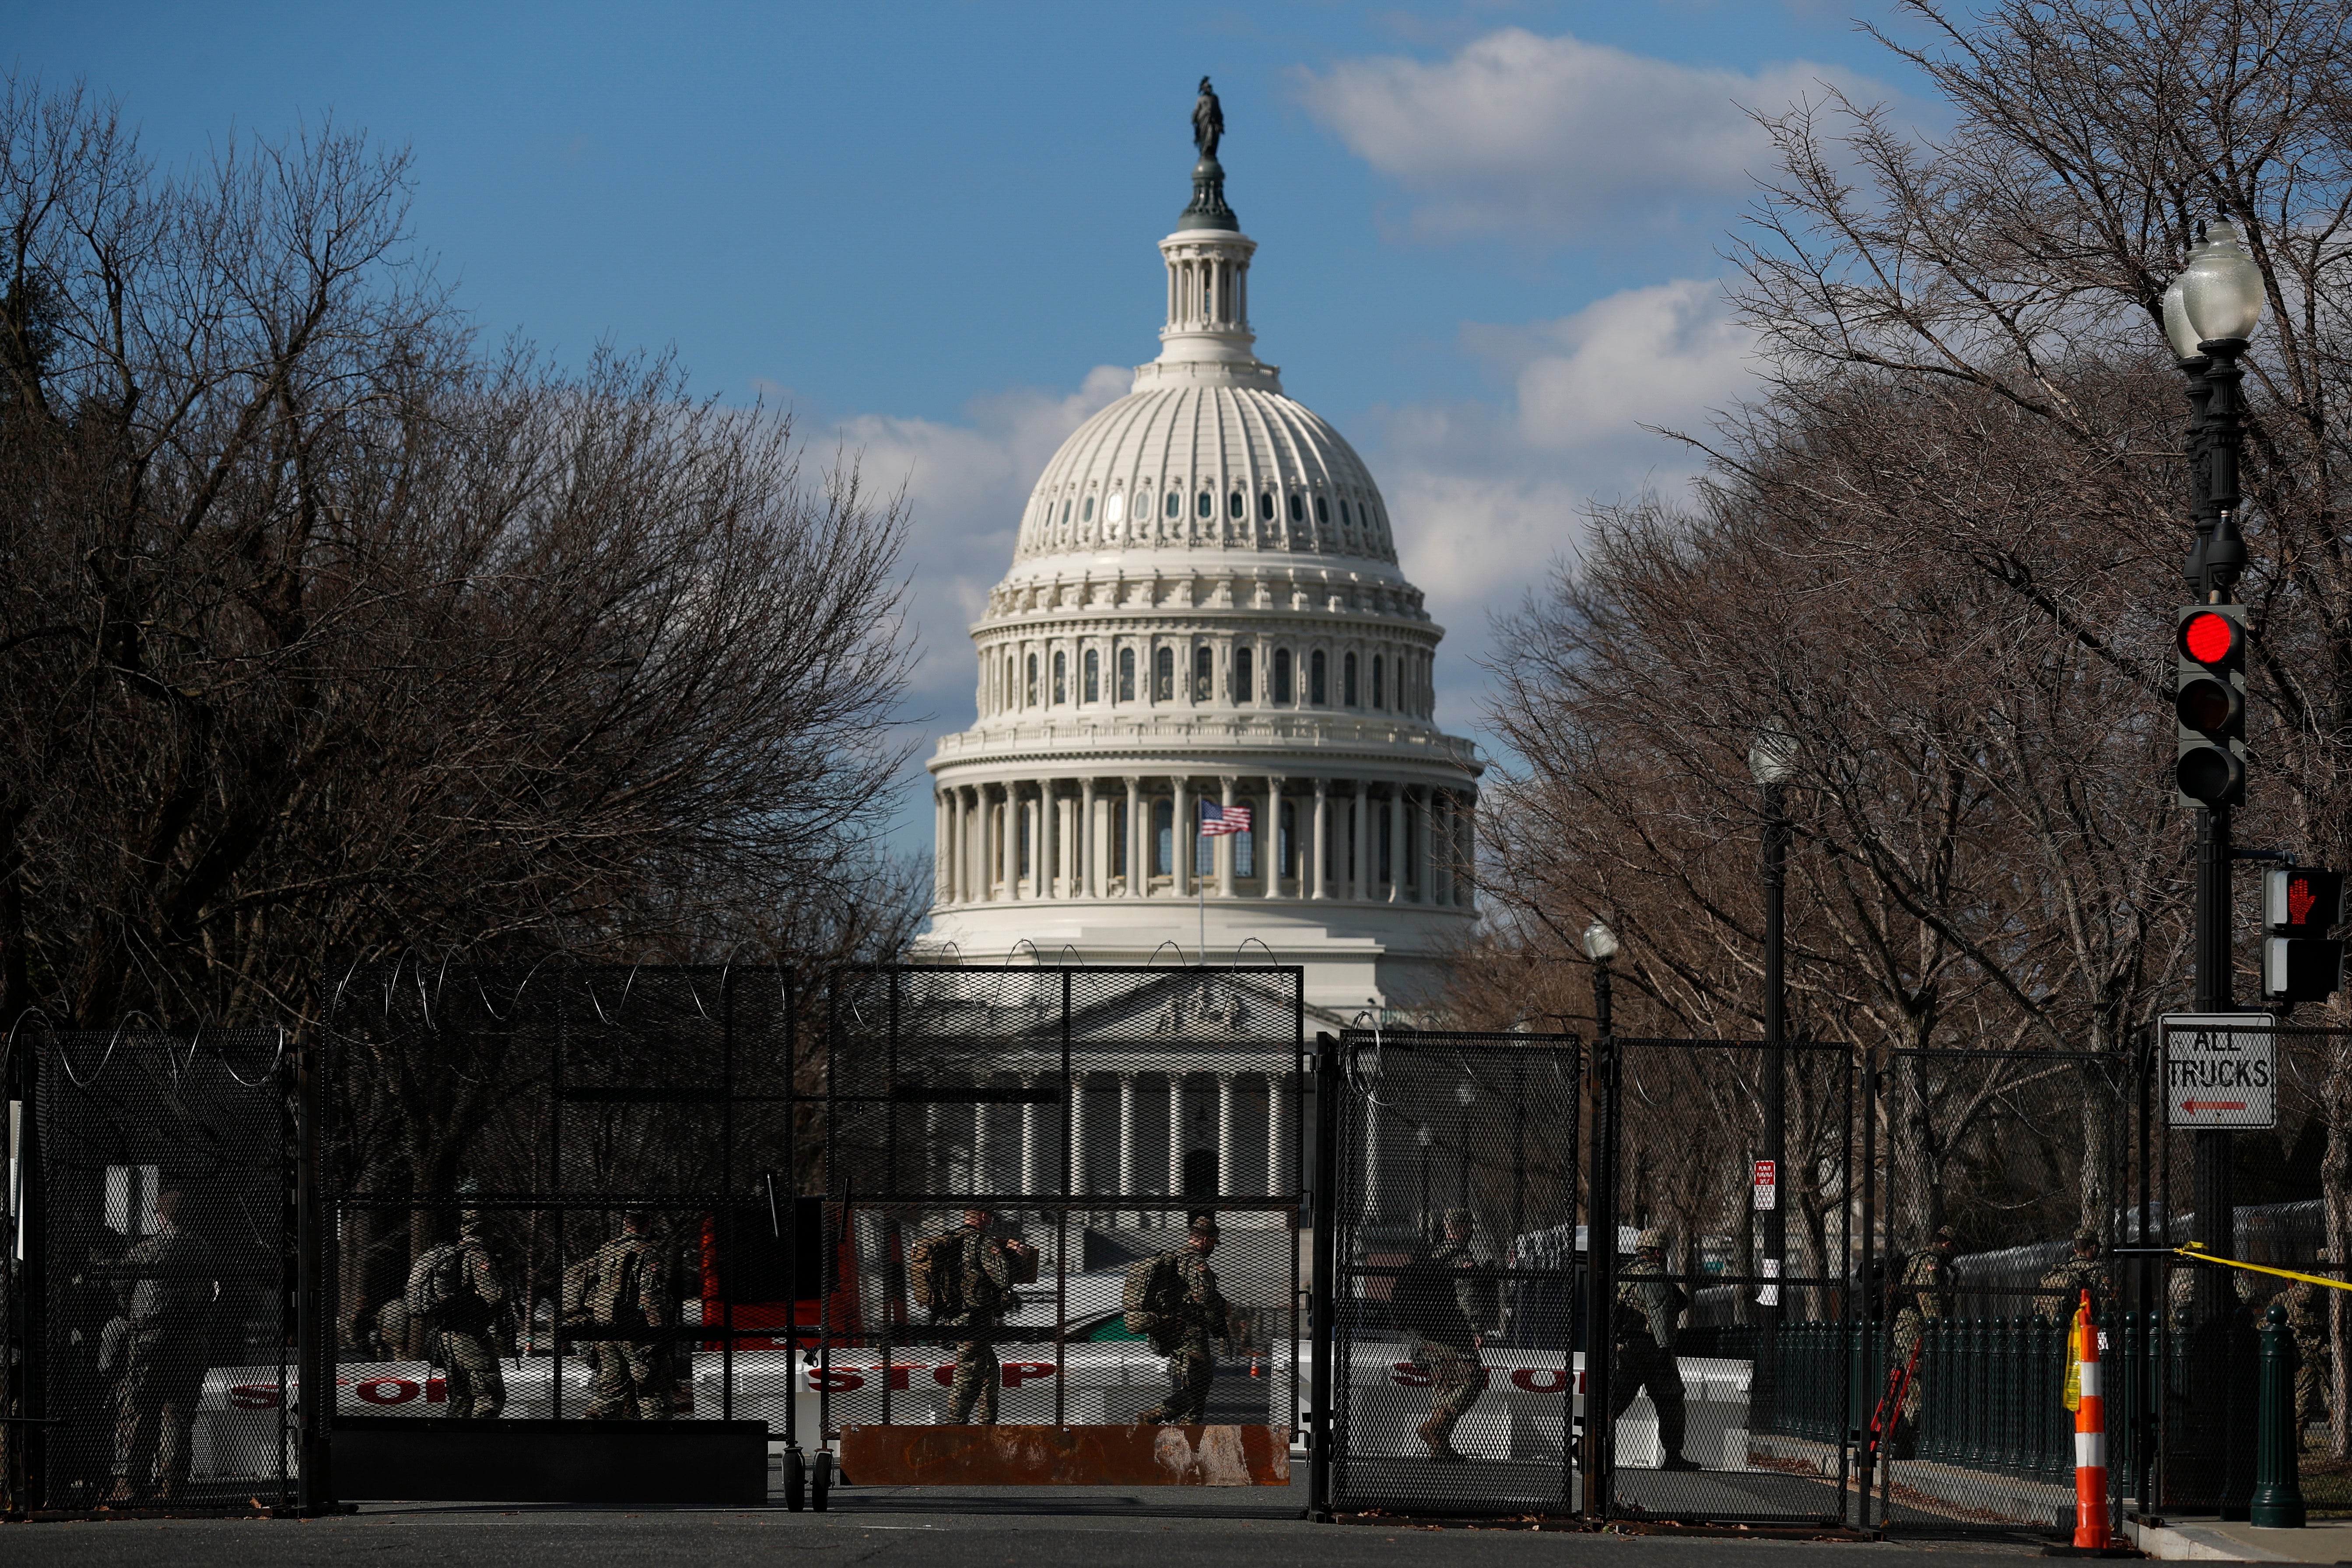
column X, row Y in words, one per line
column 2209, row 701
column 2299, row 907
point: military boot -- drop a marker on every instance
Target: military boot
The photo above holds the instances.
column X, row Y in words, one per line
column 1438, row 1432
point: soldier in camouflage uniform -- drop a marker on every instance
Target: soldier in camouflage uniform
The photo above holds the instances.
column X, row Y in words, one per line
column 2063, row 1286
column 2306, row 1315
column 460, row 1336
column 626, row 1283
column 1923, row 1295
column 1648, row 1305
column 1439, row 1303
column 1198, row 1314
column 984, row 1276
column 164, row 1288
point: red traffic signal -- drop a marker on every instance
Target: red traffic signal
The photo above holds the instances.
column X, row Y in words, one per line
column 2210, row 637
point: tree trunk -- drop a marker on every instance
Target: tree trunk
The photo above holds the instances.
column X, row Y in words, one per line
column 2335, row 1187
column 2098, row 1169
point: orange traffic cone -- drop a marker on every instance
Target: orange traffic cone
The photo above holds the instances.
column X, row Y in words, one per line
column 2090, row 1436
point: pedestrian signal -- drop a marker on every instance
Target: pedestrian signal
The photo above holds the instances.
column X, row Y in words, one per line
column 2300, row 905
column 2209, row 703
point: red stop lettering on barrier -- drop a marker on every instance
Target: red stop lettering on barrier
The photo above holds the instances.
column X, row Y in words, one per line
column 436, row 1391
column 387, row 1390
column 840, row 1380
column 1407, row 1376
column 1018, row 1372
column 899, row 1373
column 253, row 1396
column 1541, row 1379
column 944, row 1375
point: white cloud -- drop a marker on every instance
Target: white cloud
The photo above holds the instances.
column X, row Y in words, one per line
column 966, row 484
column 1483, row 490
column 1519, row 133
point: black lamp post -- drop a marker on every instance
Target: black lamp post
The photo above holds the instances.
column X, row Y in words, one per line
column 1772, row 759
column 1464, row 1093
column 1601, row 1227
column 2209, row 311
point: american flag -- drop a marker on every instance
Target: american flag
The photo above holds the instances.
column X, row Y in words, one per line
column 1216, row 821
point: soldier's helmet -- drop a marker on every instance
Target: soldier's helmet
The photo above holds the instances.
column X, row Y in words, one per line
column 1651, row 1240
column 1201, row 1219
column 2087, row 1240
column 1946, row 1236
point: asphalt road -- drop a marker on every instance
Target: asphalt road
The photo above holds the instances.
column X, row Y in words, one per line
column 888, row 1527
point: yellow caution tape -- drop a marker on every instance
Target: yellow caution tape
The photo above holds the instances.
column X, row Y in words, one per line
column 2197, row 1254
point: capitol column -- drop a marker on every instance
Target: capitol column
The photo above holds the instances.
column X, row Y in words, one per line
column 1132, row 1218
column 1360, row 880
column 1270, row 864
column 942, row 849
column 1396, row 843
column 1225, row 844
column 1176, row 1136
column 1139, row 871
column 1423, row 817
column 1089, row 858
column 1049, row 836
column 1225, row 1135
column 1009, row 841
column 1322, row 839
column 1277, row 1136
column 1179, row 843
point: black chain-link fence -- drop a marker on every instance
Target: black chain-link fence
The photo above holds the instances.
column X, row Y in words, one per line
column 158, row 1274
column 1014, row 1160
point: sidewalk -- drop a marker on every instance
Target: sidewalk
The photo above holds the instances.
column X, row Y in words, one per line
column 2322, row 1541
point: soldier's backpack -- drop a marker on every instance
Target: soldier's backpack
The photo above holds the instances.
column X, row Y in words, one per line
column 935, row 1273
column 1154, row 1297
column 436, row 1281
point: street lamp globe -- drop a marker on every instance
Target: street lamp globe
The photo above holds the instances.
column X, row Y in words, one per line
column 1772, row 757
column 1600, row 942
column 1464, row 1092
column 2221, row 289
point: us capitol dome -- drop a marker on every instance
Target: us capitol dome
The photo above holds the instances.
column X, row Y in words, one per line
column 1204, row 612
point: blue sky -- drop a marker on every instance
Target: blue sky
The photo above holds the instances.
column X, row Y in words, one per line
column 1490, row 234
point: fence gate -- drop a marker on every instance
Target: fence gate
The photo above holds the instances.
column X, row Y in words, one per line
column 1084, row 1113
column 1747, row 1411
column 1453, row 1289
column 157, row 1273
column 546, row 1194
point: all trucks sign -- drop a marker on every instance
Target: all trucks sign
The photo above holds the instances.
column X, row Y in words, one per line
column 2220, row 1070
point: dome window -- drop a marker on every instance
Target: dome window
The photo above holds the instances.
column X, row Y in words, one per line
column 1032, row 695
column 1062, row 677
column 1265, row 506
column 1126, row 675
column 1243, row 672
column 1116, row 509
column 1163, row 676
column 1205, row 667
column 1236, row 506
column 1347, row 677
column 1175, row 504
column 1208, row 507
column 1086, row 512
column 1322, row 510
column 1376, row 682
column 1094, row 669
column 1298, row 507
column 1317, row 692
column 1066, row 512
column 1282, row 670
column 1345, row 522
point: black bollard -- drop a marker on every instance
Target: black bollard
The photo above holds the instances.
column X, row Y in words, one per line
column 2278, row 1487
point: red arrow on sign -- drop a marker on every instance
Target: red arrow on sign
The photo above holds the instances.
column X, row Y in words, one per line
column 2194, row 1106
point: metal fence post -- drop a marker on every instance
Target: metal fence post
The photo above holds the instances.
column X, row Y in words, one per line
column 2278, row 1488
column 1324, row 1338
column 314, row 1388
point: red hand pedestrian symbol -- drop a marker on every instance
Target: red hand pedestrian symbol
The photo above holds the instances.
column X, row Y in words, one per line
column 2299, row 900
